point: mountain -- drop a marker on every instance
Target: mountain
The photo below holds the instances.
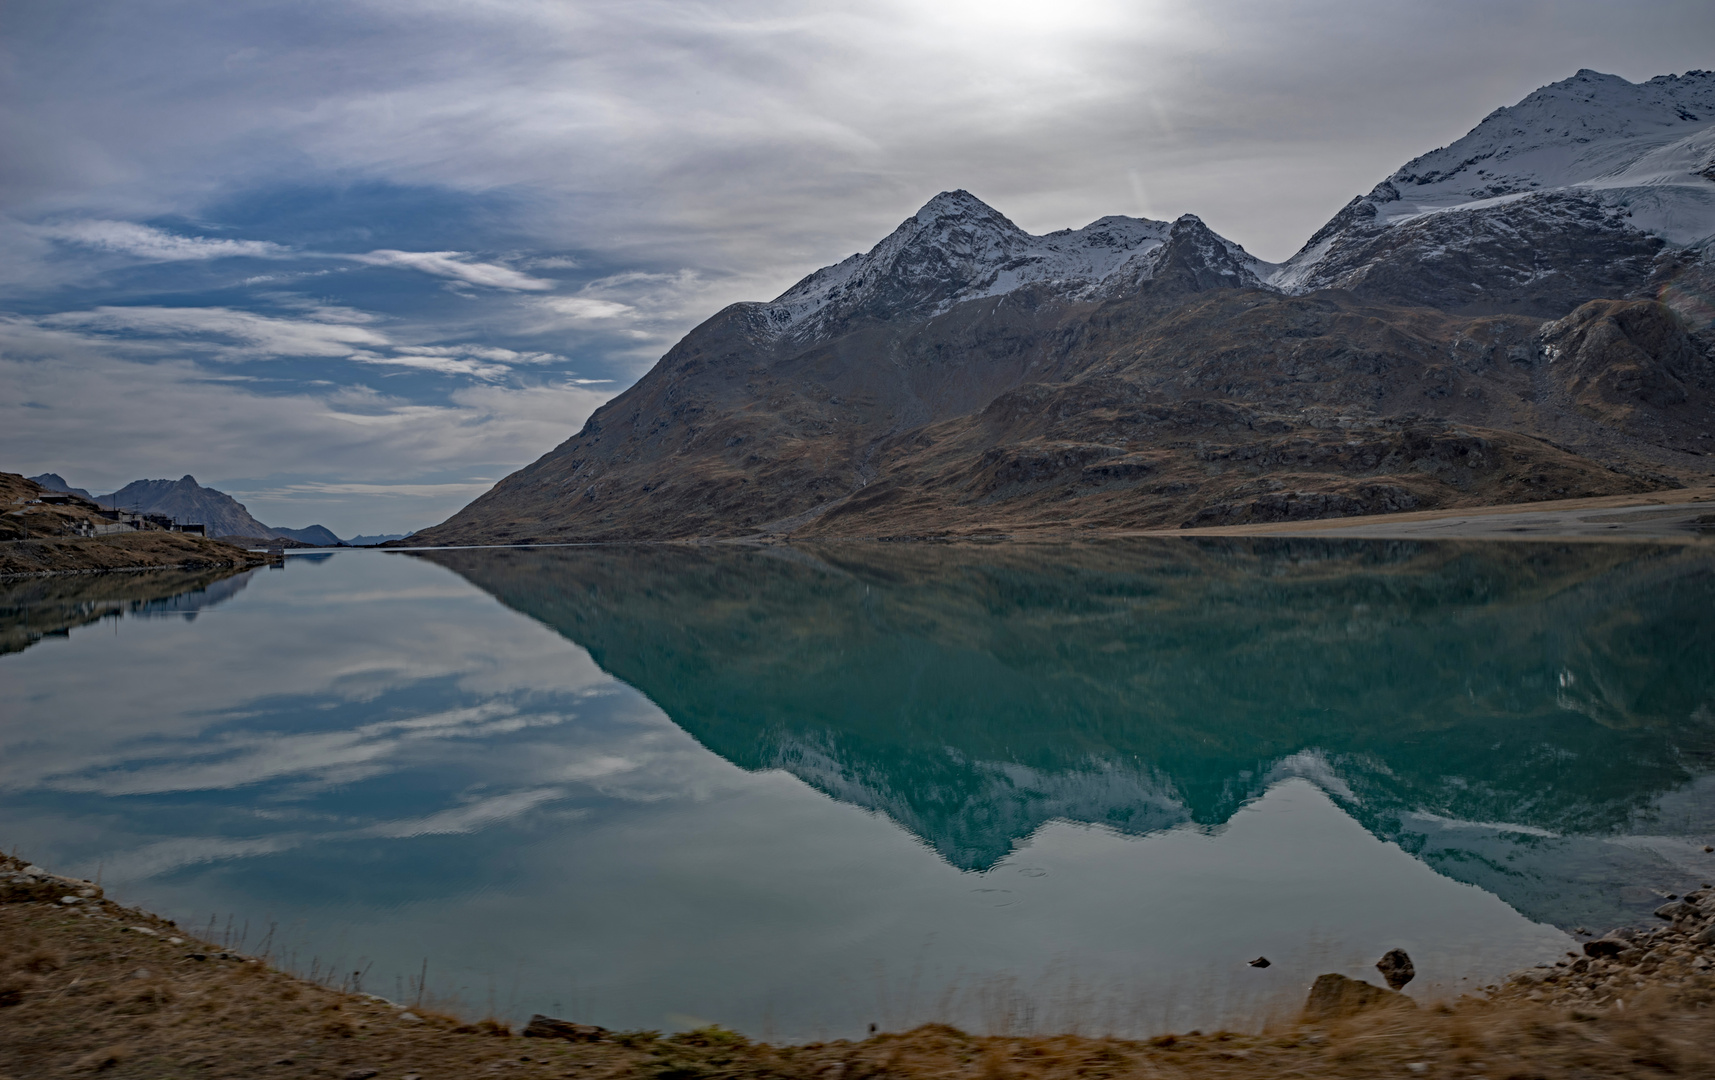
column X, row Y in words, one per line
column 187, row 501
column 379, row 538
column 56, row 482
column 319, row 535
column 958, row 248
column 1521, row 315
column 1568, row 196
column 1512, row 714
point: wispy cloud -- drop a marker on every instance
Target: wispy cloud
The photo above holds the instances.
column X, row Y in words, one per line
column 158, row 245
column 230, row 334
column 587, row 309
column 150, row 244
column 454, row 265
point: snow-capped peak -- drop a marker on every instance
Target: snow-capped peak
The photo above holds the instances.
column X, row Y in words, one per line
column 1643, row 153
column 1648, row 146
column 959, row 248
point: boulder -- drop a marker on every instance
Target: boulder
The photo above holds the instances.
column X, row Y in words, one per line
column 1334, row 996
column 548, row 1027
column 1678, row 909
column 1396, row 968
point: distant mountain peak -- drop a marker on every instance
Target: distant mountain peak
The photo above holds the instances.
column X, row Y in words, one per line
column 56, row 482
column 188, row 502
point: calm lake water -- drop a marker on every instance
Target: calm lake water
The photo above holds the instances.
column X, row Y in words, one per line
column 799, row 790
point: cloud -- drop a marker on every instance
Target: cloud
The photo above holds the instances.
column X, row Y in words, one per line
column 584, row 309
column 228, row 334
column 158, row 245
column 335, row 435
column 484, row 352
column 456, row 266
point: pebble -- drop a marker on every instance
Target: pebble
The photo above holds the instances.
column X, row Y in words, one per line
column 361, row 1074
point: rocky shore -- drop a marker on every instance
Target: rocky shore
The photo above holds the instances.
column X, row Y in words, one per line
column 88, row 986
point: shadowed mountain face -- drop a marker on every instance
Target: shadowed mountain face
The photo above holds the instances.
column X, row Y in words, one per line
column 1505, row 712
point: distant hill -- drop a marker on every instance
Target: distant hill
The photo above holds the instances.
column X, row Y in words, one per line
column 319, row 535
column 379, row 538
column 188, row 501
column 56, row 482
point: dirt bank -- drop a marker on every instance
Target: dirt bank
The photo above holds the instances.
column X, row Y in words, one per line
column 123, row 551
column 90, row 987
column 1686, row 515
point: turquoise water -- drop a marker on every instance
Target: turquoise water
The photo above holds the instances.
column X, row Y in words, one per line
column 800, row 790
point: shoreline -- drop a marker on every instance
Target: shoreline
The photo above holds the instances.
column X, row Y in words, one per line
column 90, row 986
column 1662, row 516
column 57, row 556
column 1649, row 517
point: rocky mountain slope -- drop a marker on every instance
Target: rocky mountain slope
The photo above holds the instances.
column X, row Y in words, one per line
column 1524, row 314
column 188, row 501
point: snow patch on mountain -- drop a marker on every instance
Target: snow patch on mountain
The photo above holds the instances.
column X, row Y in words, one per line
column 958, row 248
column 1643, row 154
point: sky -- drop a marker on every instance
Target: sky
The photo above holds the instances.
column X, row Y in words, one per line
column 354, row 261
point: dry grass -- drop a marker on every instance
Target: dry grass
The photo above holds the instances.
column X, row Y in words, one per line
column 89, row 996
column 122, row 551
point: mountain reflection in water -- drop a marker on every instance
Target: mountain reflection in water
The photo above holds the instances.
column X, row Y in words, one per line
column 1535, row 719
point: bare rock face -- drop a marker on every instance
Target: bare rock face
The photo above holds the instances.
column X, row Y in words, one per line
column 1633, row 366
column 1396, row 968
column 1540, row 255
column 1334, row 996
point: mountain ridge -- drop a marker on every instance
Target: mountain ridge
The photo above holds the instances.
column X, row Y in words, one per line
column 1470, row 341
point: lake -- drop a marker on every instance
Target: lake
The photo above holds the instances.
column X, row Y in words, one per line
column 798, row 790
